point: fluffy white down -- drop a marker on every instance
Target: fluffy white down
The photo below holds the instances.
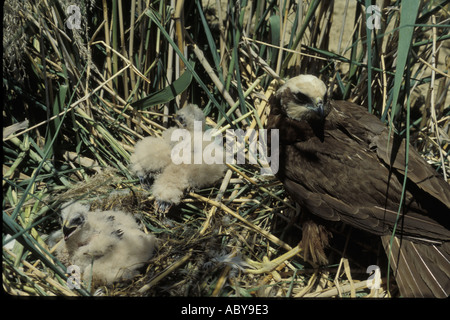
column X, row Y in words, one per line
column 152, row 156
column 110, row 245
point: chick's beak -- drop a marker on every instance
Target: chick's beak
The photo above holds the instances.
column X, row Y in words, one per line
column 68, row 230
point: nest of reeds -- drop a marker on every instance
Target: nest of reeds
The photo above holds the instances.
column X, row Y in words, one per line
column 80, row 93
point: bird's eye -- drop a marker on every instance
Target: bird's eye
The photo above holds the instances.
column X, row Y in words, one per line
column 302, row 98
column 180, row 119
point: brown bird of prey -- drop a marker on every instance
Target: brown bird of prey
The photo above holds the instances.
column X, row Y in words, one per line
column 338, row 163
column 163, row 175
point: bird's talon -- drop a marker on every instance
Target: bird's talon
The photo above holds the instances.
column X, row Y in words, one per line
column 146, row 182
column 163, row 207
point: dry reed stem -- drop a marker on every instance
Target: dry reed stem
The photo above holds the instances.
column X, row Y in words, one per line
column 261, row 231
column 43, row 276
column 166, row 272
column 434, row 126
column 219, row 196
column 309, row 286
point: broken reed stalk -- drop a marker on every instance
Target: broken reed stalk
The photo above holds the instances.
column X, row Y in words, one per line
column 223, row 207
column 434, row 126
column 166, row 272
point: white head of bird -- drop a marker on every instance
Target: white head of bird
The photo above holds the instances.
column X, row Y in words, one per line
column 304, row 98
column 191, row 118
column 73, row 218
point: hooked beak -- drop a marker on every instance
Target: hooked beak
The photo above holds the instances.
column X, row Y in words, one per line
column 68, row 231
column 70, row 226
column 319, row 109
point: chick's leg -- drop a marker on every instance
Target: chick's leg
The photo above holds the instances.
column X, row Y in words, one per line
column 169, row 187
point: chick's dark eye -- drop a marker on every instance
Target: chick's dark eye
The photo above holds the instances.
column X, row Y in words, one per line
column 180, row 119
column 77, row 221
column 302, row 98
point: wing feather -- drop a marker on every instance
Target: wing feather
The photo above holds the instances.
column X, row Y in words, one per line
column 346, row 176
column 348, row 169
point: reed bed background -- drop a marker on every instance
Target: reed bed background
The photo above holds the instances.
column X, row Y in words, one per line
column 82, row 87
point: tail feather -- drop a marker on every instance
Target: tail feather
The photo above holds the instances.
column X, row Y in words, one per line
column 420, row 269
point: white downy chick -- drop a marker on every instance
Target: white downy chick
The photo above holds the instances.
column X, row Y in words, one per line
column 172, row 179
column 151, row 155
column 110, row 245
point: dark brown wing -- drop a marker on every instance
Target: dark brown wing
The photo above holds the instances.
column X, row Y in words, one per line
column 391, row 151
column 420, row 269
column 348, row 170
column 346, row 175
